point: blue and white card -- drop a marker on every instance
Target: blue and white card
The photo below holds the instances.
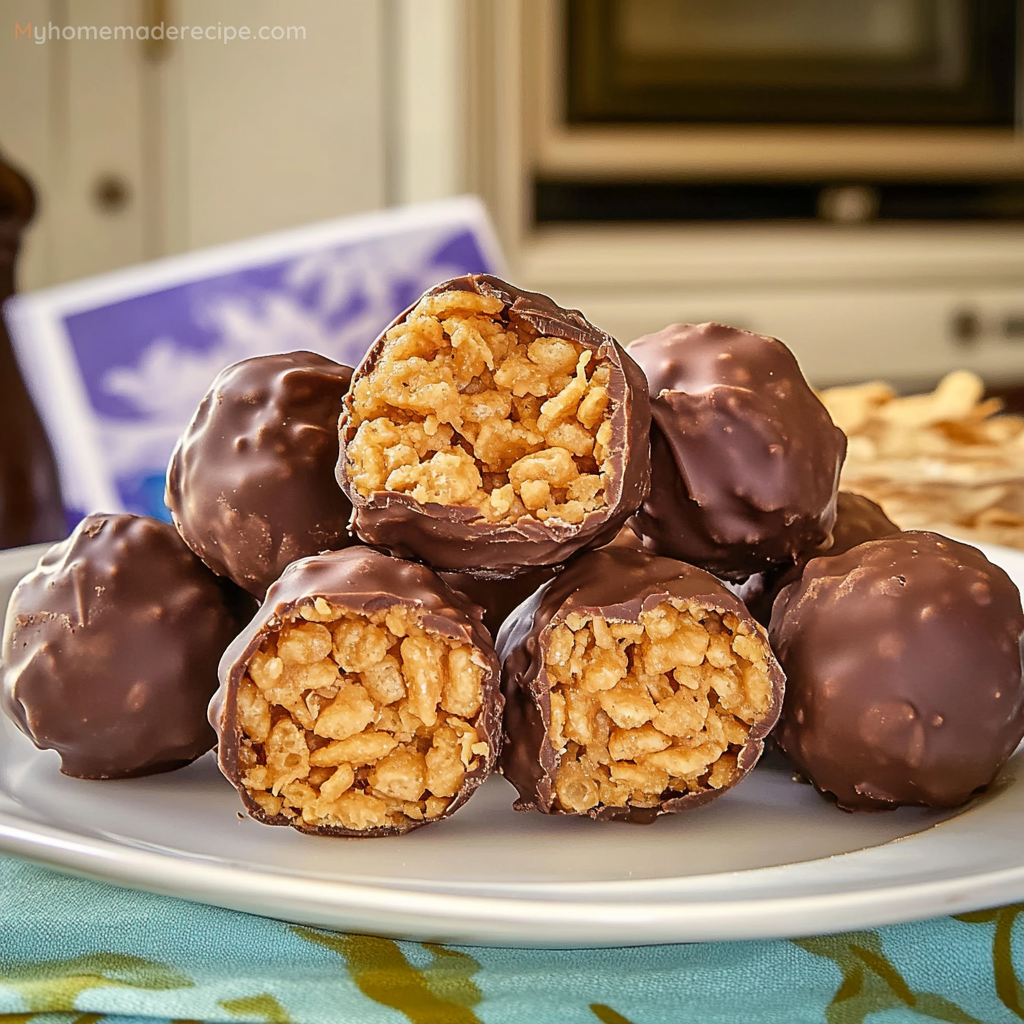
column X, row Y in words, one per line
column 118, row 363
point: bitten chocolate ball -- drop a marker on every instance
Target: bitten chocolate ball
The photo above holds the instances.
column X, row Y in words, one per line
column 903, row 665
column 490, row 431
column 251, row 482
column 858, row 519
column 745, row 459
column 635, row 686
column 111, row 646
column 362, row 700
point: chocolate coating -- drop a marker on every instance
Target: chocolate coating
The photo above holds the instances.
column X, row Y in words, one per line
column 111, row 646
column 361, row 580
column 744, row 457
column 903, row 662
column 618, row 583
column 250, row 484
column 858, row 519
column 498, row 597
column 626, row 538
column 458, row 538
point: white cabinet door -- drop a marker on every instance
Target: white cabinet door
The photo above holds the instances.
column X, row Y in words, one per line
column 266, row 134
column 138, row 151
column 70, row 118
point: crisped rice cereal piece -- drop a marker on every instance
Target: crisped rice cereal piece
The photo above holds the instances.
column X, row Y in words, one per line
column 490, row 431
column 362, row 700
column 635, row 686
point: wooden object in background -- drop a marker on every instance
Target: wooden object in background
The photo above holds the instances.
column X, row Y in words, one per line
column 30, row 502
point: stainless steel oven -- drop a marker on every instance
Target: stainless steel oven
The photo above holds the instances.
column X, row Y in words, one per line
column 906, row 62
column 845, row 174
column 847, row 110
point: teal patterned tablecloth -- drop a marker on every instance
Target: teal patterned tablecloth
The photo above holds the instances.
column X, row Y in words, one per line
column 78, row 951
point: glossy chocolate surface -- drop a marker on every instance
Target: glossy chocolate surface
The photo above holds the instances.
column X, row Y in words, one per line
column 617, row 583
column 361, row 580
column 903, row 663
column 745, row 459
column 858, row 519
column 498, row 597
column 111, row 646
column 458, row 538
column 251, row 481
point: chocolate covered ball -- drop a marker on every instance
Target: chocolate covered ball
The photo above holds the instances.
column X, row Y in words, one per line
column 110, row 649
column 858, row 519
column 635, row 686
column 745, row 459
column 251, row 482
column 498, row 597
column 490, row 431
column 362, row 700
column 903, row 666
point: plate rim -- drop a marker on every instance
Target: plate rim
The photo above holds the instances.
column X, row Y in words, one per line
column 581, row 920
column 508, row 920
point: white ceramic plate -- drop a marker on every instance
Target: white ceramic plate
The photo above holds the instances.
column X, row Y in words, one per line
column 768, row 859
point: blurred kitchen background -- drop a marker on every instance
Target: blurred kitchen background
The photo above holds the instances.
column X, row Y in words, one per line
column 847, row 175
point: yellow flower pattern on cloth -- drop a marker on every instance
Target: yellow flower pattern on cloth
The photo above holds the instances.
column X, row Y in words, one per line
column 79, row 952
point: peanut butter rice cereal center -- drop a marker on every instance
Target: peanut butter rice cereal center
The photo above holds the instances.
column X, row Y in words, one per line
column 635, row 686
column 359, row 721
column 490, row 417
column 644, row 710
column 462, row 409
column 362, row 700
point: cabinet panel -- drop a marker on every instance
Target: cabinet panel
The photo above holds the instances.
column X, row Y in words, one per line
column 135, row 157
column 275, row 133
column 70, row 117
